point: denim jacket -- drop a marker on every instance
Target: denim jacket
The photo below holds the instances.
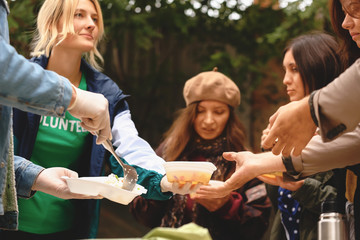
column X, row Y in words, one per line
column 50, row 95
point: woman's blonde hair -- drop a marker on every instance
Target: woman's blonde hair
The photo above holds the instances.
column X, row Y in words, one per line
column 47, row 35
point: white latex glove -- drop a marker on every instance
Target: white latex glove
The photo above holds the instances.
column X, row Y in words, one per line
column 187, row 188
column 92, row 110
column 49, row 181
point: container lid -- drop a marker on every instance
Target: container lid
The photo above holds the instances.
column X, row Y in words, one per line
column 201, row 166
column 329, row 205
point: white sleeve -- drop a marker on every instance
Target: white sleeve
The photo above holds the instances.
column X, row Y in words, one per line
column 133, row 148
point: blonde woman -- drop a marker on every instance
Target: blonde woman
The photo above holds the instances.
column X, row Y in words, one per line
column 66, row 40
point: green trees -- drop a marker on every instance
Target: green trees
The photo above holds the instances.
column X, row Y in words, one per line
column 152, row 47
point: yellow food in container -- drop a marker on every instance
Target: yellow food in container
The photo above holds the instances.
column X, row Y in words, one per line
column 189, row 171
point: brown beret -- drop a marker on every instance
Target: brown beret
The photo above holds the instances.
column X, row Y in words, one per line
column 211, row 85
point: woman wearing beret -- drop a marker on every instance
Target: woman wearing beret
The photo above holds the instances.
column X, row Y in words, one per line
column 206, row 128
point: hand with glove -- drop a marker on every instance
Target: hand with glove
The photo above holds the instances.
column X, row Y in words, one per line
column 92, row 110
column 177, row 188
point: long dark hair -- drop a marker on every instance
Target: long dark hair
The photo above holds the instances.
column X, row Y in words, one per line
column 182, row 130
column 348, row 49
column 317, row 59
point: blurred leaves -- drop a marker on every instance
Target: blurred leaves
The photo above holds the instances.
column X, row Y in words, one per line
column 21, row 24
column 152, row 47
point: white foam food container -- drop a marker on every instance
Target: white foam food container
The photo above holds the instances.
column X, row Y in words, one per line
column 94, row 186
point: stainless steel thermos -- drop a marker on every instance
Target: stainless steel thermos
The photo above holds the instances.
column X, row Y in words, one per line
column 332, row 224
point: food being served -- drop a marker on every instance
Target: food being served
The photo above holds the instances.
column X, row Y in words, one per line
column 114, row 180
column 189, row 171
column 193, row 177
column 109, row 187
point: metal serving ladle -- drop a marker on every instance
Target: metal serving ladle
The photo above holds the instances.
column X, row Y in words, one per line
column 130, row 174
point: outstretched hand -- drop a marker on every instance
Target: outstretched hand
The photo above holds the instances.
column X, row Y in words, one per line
column 241, row 175
column 248, row 166
column 211, row 204
column 177, row 188
column 291, row 128
column 264, row 135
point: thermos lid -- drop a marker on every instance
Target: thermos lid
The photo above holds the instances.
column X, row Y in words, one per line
column 329, row 205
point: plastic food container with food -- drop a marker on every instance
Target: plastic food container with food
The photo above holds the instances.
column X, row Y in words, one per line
column 189, row 171
column 109, row 187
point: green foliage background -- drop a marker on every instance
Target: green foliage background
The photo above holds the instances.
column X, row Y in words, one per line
column 152, row 48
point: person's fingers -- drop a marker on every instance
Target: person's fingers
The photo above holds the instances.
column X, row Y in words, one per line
column 206, row 191
column 298, row 149
column 186, row 187
column 93, row 197
column 271, row 136
column 262, row 140
column 288, row 148
column 230, row 156
column 273, row 118
column 175, row 185
column 96, row 197
column 265, row 132
column 87, row 124
column 278, row 147
column 195, row 187
column 95, row 134
column 100, row 139
column 103, row 134
column 236, row 180
column 82, row 196
column 71, row 174
column 270, row 140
